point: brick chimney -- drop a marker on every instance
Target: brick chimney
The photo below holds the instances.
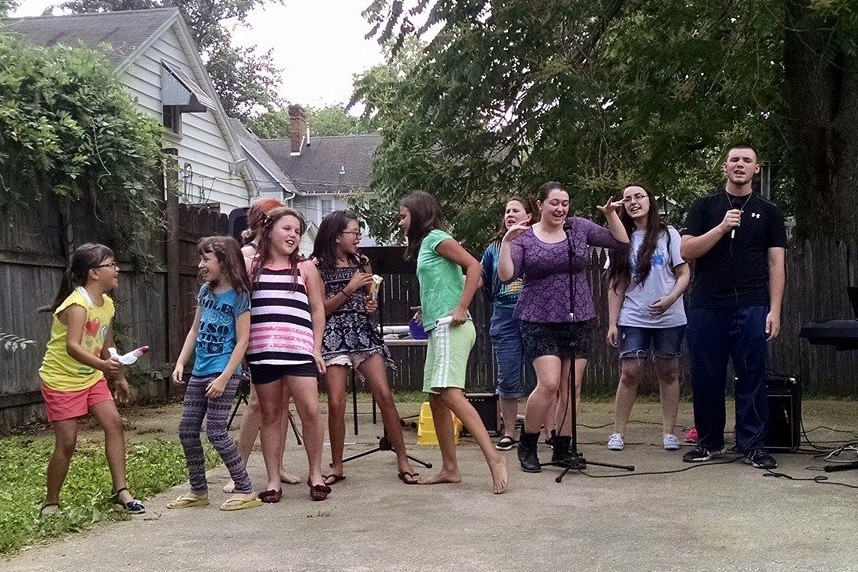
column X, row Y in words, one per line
column 297, row 128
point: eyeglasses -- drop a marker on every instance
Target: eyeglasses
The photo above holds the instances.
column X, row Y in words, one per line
column 107, row 265
column 357, row 233
column 638, row 197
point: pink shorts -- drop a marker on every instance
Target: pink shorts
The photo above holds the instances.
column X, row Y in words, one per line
column 62, row 405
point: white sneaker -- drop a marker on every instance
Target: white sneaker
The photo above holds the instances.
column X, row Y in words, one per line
column 615, row 442
column 671, row 442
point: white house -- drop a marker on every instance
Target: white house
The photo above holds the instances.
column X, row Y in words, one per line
column 155, row 58
column 325, row 172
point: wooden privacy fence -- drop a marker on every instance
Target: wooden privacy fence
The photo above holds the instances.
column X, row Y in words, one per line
column 156, row 307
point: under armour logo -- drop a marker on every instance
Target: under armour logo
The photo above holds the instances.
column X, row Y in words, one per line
column 755, row 215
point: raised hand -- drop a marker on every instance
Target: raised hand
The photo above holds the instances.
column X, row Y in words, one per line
column 515, row 231
column 610, row 207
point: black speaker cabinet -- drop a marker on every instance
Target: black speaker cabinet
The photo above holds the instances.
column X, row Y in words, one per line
column 486, row 405
column 784, row 426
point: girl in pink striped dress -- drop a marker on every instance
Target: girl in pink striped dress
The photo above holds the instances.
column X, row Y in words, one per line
column 287, row 322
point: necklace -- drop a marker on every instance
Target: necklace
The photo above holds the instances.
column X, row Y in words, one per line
column 741, row 212
column 742, row 208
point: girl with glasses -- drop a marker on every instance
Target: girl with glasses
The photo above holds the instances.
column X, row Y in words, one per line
column 351, row 341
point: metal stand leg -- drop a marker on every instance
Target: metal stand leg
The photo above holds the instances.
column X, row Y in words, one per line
column 576, row 461
column 383, row 441
column 243, row 392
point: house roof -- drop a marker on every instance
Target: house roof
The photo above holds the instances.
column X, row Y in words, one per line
column 250, row 144
column 326, row 165
column 125, row 32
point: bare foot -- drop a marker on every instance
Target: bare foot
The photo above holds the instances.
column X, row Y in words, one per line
column 289, row 478
column 229, row 488
column 442, row 477
column 500, row 477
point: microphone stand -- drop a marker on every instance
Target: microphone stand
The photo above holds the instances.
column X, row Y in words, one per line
column 575, row 461
column 384, row 443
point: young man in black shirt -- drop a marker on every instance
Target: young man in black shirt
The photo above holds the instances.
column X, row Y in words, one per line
column 738, row 241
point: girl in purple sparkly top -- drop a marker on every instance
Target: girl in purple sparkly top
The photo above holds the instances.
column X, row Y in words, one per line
column 552, row 332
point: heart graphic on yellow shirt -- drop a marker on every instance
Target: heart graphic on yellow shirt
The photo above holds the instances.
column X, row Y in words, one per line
column 91, row 326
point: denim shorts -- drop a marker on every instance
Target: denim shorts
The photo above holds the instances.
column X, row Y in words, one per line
column 635, row 342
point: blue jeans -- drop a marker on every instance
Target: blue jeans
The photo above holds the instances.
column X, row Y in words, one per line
column 635, row 342
column 714, row 336
column 506, row 343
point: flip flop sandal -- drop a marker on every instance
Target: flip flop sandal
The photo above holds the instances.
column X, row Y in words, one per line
column 333, row 478
column 238, row 503
column 408, row 478
column 133, row 506
column 187, row 501
column 270, row 496
column 319, row 492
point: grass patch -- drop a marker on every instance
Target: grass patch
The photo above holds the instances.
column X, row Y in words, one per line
column 153, row 467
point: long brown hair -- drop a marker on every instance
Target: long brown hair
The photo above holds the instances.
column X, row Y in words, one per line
column 84, row 258
column 619, row 272
column 528, row 208
column 425, row 217
column 264, row 252
column 228, row 254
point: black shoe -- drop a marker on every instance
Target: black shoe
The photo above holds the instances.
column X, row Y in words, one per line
column 700, row 454
column 759, row 459
column 561, row 449
column 527, row 453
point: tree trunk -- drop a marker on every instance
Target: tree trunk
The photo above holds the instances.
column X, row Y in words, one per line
column 822, row 94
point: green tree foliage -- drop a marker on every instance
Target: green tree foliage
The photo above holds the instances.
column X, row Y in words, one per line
column 7, row 6
column 322, row 121
column 597, row 94
column 67, row 126
column 244, row 77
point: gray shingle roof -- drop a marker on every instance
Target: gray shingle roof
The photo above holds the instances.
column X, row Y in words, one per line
column 251, row 145
column 328, row 164
column 123, row 31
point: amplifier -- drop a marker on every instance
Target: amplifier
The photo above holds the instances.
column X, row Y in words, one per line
column 784, row 425
column 486, row 405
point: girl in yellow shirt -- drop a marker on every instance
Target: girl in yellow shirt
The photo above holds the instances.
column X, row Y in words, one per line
column 74, row 368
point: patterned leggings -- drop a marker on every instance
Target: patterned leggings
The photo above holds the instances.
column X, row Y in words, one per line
column 216, row 411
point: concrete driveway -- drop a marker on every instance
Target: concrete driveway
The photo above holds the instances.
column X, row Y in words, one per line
column 667, row 515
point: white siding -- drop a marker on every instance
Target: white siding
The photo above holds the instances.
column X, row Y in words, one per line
column 203, row 146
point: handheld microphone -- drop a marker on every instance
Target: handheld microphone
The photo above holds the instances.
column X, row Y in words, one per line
column 732, row 234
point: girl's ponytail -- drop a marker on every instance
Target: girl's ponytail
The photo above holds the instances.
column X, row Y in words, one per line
column 84, row 258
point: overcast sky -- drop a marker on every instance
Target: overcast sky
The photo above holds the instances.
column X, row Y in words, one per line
column 319, row 45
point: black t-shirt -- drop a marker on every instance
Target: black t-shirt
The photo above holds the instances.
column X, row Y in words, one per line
column 735, row 272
